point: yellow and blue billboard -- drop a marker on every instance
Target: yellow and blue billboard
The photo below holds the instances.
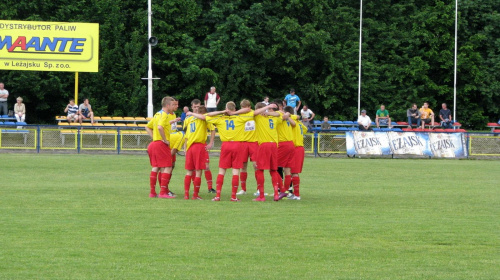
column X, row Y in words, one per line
column 49, row 46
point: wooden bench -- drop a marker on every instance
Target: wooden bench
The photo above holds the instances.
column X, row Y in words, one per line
column 135, row 120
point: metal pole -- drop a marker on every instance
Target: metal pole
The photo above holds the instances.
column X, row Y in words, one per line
column 360, row 42
column 455, row 70
column 150, row 66
column 76, row 88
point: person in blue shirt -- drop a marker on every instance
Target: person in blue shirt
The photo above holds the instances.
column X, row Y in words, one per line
column 184, row 112
column 292, row 100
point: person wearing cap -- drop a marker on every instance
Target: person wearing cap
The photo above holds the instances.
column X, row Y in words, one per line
column 20, row 110
column 364, row 121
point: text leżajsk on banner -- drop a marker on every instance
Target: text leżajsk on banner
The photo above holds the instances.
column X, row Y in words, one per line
column 447, row 145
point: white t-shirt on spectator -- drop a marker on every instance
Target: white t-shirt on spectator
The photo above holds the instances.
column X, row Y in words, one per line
column 211, row 100
column 365, row 121
column 306, row 114
column 4, row 91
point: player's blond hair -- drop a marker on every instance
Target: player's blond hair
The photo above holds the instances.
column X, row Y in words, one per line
column 245, row 103
column 167, row 100
column 259, row 105
column 231, row 106
column 202, row 109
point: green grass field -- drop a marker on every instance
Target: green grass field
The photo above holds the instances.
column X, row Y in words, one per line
column 90, row 217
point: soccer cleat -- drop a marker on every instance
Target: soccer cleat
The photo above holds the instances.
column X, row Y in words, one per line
column 276, row 197
column 171, row 194
column 186, row 197
column 235, row 199
column 283, row 194
column 216, row 198
column 257, row 194
column 295, row 197
column 290, row 195
column 212, row 190
column 153, row 195
column 196, row 198
column 241, row 192
column 165, row 196
column 260, row 199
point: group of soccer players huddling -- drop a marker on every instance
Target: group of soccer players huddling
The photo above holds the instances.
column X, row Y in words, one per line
column 270, row 136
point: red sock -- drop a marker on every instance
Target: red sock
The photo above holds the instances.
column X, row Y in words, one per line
column 152, row 182
column 259, row 176
column 286, row 185
column 165, row 180
column 235, row 182
column 159, row 178
column 218, row 184
column 275, row 177
column 243, row 179
column 280, row 181
column 296, row 183
column 197, row 183
column 187, row 183
column 208, row 177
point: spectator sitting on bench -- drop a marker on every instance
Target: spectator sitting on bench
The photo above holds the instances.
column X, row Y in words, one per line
column 20, row 110
column 364, row 121
column 382, row 117
column 427, row 115
column 445, row 116
column 85, row 111
column 325, row 125
column 413, row 115
column 72, row 110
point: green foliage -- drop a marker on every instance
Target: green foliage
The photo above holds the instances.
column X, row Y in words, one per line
column 251, row 49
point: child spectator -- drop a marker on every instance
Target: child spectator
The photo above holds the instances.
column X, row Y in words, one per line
column 325, row 125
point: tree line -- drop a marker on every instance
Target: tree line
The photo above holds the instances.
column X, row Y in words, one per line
column 249, row 49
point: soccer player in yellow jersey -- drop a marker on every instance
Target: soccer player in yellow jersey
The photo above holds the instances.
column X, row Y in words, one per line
column 298, row 157
column 195, row 105
column 158, row 150
column 196, row 152
column 286, row 150
column 230, row 130
column 249, row 143
column 176, row 136
column 266, row 124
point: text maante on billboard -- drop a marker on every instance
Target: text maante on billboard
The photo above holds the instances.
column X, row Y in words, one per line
column 49, row 46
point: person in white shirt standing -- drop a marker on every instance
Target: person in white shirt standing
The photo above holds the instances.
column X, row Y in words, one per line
column 3, row 100
column 307, row 117
column 211, row 100
column 364, row 121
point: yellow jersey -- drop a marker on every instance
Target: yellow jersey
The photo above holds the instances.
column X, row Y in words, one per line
column 196, row 130
column 298, row 132
column 160, row 119
column 230, row 128
column 249, row 134
column 266, row 128
column 284, row 131
column 426, row 113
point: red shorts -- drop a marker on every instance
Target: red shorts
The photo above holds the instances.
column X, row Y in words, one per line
column 249, row 151
column 285, row 153
column 159, row 154
column 267, row 156
column 298, row 160
column 196, row 157
column 230, row 155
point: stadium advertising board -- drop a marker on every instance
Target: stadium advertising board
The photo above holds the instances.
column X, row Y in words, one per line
column 449, row 145
column 49, row 46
